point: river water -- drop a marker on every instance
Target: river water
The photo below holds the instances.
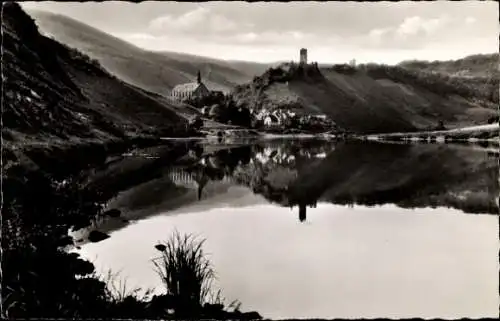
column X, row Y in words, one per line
column 315, row 229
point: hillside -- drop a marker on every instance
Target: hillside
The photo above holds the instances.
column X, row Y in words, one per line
column 481, row 65
column 158, row 72
column 363, row 100
column 56, row 96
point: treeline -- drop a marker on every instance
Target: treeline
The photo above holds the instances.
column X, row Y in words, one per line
column 481, row 88
column 429, row 75
column 223, row 108
column 474, row 65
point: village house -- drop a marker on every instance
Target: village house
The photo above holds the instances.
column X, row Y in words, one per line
column 190, row 90
column 276, row 117
column 271, row 120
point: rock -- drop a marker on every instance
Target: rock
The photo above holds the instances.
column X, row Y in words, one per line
column 160, row 247
column 97, row 236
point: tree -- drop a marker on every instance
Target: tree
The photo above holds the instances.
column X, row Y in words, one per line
column 216, row 112
column 196, row 123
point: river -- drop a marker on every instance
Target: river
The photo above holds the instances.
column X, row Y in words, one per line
column 316, row 229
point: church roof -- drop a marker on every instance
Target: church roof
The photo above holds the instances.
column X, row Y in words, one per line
column 192, row 86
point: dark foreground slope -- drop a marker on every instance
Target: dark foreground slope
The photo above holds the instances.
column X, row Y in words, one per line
column 158, row 72
column 56, row 96
column 364, row 100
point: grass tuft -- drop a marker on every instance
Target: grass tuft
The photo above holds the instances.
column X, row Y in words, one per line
column 186, row 273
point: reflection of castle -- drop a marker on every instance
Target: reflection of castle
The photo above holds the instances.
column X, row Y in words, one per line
column 303, row 210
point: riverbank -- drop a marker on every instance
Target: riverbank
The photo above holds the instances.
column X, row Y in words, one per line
column 484, row 133
column 52, row 188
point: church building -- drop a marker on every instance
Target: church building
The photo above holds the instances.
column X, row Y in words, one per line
column 190, row 90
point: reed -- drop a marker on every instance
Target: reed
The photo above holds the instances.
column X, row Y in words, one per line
column 186, row 273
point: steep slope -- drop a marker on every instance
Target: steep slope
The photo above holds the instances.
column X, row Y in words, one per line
column 54, row 95
column 158, row 72
column 359, row 100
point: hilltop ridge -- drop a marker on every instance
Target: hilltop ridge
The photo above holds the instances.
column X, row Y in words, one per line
column 479, row 65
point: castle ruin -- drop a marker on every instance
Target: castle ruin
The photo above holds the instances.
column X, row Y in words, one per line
column 303, row 56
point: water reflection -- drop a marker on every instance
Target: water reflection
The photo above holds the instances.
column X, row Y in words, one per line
column 240, row 198
column 303, row 173
column 343, row 263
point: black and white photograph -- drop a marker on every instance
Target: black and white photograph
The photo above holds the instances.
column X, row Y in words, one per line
column 234, row 160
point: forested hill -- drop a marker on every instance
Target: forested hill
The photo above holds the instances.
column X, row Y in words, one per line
column 480, row 65
column 479, row 75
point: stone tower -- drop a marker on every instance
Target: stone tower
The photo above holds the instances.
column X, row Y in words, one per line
column 198, row 77
column 303, row 56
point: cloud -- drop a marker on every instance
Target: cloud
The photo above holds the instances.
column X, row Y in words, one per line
column 376, row 35
column 200, row 20
column 290, row 37
column 204, row 24
column 414, row 25
column 412, row 32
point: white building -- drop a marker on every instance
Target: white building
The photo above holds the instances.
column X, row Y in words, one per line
column 271, row 120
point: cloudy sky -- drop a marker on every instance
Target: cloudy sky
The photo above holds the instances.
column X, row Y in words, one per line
column 332, row 31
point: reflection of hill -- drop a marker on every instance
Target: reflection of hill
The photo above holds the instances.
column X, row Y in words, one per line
column 302, row 174
column 169, row 179
column 161, row 196
column 128, row 171
column 407, row 175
